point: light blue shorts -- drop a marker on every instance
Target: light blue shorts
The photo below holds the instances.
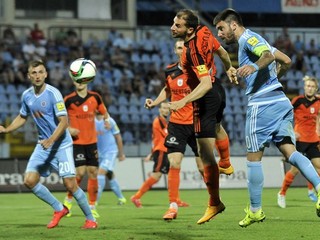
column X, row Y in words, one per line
column 107, row 162
column 43, row 161
column 268, row 123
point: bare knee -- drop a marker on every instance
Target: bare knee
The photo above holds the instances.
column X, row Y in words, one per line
column 70, row 184
column 31, row 179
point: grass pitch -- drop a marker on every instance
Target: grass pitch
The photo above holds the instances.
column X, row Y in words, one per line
column 23, row 216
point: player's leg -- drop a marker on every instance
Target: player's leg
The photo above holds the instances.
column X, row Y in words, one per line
column 211, row 178
column 37, row 166
column 255, row 142
column 223, row 148
column 92, row 188
column 147, row 184
column 80, row 165
column 67, row 172
column 297, row 159
column 101, row 181
column 222, row 138
column 175, row 159
column 205, row 112
column 92, row 163
column 109, row 166
column 160, row 162
column 115, row 187
column 287, row 181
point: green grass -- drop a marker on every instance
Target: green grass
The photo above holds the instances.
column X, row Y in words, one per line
column 23, row 216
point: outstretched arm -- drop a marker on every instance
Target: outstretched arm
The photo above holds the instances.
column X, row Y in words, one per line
column 18, row 122
column 163, row 95
column 225, row 58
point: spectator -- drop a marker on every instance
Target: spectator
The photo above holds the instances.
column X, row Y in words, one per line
column 298, row 62
column 298, row 44
column 311, row 48
column 37, row 34
column 9, row 36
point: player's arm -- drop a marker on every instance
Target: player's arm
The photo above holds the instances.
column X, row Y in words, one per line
column 203, row 87
column 230, row 70
column 119, row 142
column 283, row 63
column 61, row 127
column 18, row 122
column 265, row 58
column 163, row 95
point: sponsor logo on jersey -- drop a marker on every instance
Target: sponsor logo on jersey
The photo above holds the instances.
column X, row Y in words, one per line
column 202, row 69
column 60, row 106
column 253, row 41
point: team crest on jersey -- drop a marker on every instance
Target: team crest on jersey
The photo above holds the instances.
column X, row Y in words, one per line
column 253, row 41
column 60, row 106
column 43, row 104
column 202, row 69
column 312, row 110
column 180, row 82
column 85, row 108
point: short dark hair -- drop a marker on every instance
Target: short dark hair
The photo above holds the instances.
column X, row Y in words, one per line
column 228, row 15
column 190, row 16
column 35, row 63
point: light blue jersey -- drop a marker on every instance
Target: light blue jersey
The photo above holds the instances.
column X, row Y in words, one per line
column 262, row 83
column 269, row 113
column 107, row 145
column 45, row 110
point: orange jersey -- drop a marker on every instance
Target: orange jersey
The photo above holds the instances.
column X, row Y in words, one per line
column 159, row 133
column 305, row 118
column 197, row 59
column 82, row 113
column 176, row 82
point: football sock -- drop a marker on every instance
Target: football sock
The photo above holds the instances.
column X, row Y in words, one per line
column 114, row 185
column 211, row 179
column 173, row 184
column 69, row 194
column 92, row 190
column 82, row 201
column 224, row 152
column 255, row 183
column 306, row 168
column 45, row 195
column 145, row 187
column 101, row 185
column 287, row 181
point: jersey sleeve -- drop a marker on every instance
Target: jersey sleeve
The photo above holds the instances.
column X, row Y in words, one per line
column 257, row 45
column 114, row 127
column 58, row 104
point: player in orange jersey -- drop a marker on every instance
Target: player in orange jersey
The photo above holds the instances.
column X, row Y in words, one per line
column 158, row 155
column 181, row 132
column 197, row 62
column 82, row 106
column 307, row 130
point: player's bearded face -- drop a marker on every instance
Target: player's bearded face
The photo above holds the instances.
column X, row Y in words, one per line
column 178, row 28
column 226, row 33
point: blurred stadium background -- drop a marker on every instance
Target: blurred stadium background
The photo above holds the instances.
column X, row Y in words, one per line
column 129, row 40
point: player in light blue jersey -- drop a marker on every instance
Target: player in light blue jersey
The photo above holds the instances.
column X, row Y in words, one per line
column 269, row 112
column 44, row 103
column 110, row 147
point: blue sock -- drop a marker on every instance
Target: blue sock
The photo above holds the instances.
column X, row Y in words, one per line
column 82, row 201
column 255, row 183
column 101, row 185
column 306, row 168
column 115, row 188
column 45, row 195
